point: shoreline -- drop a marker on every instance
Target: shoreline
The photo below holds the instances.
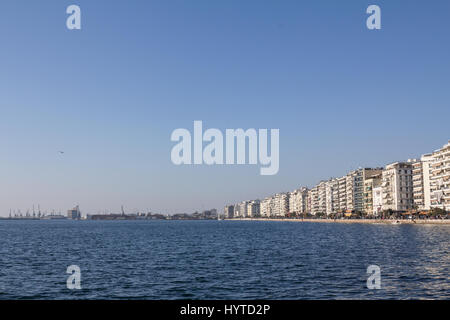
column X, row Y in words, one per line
column 364, row 221
column 309, row 220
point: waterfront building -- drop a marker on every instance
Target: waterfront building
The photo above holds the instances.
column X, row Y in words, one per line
column 370, row 185
column 322, row 197
column 355, row 187
column 293, row 199
column 236, row 213
column 243, row 209
column 349, row 188
column 304, row 203
column 440, row 178
column 308, row 201
column 280, row 204
column 314, row 200
column 229, row 211
column 397, row 186
column 332, row 196
column 275, row 206
column 367, row 174
column 422, row 182
column 342, row 189
column 265, row 207
column 377, row 196
column 335, row 195
column 253, row 208
column 74, row 213
column 298, row 201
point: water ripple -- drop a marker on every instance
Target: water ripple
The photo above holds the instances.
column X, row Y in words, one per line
column 222, row 260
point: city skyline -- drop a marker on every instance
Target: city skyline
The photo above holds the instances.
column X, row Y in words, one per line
column 401, row 186
column 379, row 170
column 86, row 115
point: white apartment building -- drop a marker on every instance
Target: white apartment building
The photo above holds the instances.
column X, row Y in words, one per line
column 240, row 209
column 397, row 186
column 275, row 206
column 422, row 182
column 335, row 202
column 298, row 201
column 313, row 196
column 308, row 201
column 332, row 196
column 377, row 196
column 322, row 197
column 294, row 201
column 358, row 190
column 236, row 210
column 253, row 208
column 440, row 178
column 281, row 204
column 349, row 180
column 265, row 207
column 342, row 186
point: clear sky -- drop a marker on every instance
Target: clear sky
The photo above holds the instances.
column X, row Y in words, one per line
column 111, row 94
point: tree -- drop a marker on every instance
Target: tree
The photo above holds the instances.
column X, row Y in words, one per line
column 437, row 212
column 320, row 214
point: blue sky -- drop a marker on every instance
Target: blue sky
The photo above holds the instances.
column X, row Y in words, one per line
column 111, row 94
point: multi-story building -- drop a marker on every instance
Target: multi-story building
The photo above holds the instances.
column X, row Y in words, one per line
column 332, row 196
column 281, row 204
column 237, row 211
column 74, row 213
column 304, row 205
column 229, row 211
column 243, row 209
column 253, row 208
column 308, row 201
column 397, row 186
column 322, row 197
column 349, row 189
column 265, row 207
column 368, row 196
column 355, row 187
column 298, row 201
column 421, row 182
column 377, row 200
column 275, row 206
column 358, row 189
column 440, row 178
column 314, row 200
column 342, row 187
column 335, row 196
column 293, row 202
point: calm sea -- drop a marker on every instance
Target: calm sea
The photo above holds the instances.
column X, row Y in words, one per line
column 222, row 260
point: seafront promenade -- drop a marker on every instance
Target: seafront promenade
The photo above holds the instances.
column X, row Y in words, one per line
column 372, row 221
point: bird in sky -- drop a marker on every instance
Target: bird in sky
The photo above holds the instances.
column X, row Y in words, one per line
column 61, row 152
